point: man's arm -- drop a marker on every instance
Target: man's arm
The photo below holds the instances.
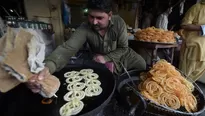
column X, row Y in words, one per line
column 187, row 22
column 122, row 43
column 191, row 27
column 61, row 55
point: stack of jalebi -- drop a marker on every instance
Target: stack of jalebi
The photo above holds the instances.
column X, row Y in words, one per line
column 164, row 85
column 152, row 34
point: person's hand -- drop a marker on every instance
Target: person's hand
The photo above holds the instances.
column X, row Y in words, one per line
column 99, row 58
column 33, row 81
column 110, row 66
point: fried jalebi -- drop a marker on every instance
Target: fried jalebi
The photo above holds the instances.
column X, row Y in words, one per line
column 152, row 34
column 145, row 82
column 169, row 100
column 173, row 83
column 188, row 84
column 153, row 88
column 190, row 103
column 158, row 75
column 148, row 96
column 165, row 85
column 172, row 73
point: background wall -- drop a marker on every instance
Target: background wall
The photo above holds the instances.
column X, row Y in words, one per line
column 47, row 11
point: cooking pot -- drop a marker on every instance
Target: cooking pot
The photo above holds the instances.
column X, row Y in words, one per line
column 131, row 100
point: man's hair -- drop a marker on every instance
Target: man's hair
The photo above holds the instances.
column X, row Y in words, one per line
column 103, row 5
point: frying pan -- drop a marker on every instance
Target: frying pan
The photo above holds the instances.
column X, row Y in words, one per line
column 22, row 102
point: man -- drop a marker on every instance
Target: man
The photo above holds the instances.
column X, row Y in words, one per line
column 106, row 35
column 162, row 20
column 192, row 56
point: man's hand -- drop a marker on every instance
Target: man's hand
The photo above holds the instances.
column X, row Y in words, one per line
column 99, row 58
column 110, row 66
column 33, row 81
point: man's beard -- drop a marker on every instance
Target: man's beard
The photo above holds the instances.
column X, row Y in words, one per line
column 96, row 27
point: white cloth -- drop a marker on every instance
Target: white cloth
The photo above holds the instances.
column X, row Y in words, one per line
column 44, row 43
column 203, row 30
column 162, row 21
column 46, row 37
column 49, row 41
column 36, row 52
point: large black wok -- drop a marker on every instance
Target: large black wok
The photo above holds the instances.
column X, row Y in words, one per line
column 130, row 99
column 22, row 102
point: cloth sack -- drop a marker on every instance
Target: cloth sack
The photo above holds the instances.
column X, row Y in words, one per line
column 7, row 82
column 16, row 63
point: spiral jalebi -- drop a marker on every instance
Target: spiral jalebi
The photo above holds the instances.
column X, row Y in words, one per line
column 152, row 34
column 165, row 85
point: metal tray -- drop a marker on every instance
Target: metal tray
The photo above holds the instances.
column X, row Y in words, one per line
column 156, row 42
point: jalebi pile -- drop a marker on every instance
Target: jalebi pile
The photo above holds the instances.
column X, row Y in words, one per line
column 164, row 85
column 152, row 34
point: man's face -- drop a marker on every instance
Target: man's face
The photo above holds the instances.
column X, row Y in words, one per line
column 98, row 19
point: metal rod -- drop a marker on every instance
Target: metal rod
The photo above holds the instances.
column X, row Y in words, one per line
column 5, row 11
column 131, row 87
column 128, row 74
column 55, row 96
column 17, row 13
